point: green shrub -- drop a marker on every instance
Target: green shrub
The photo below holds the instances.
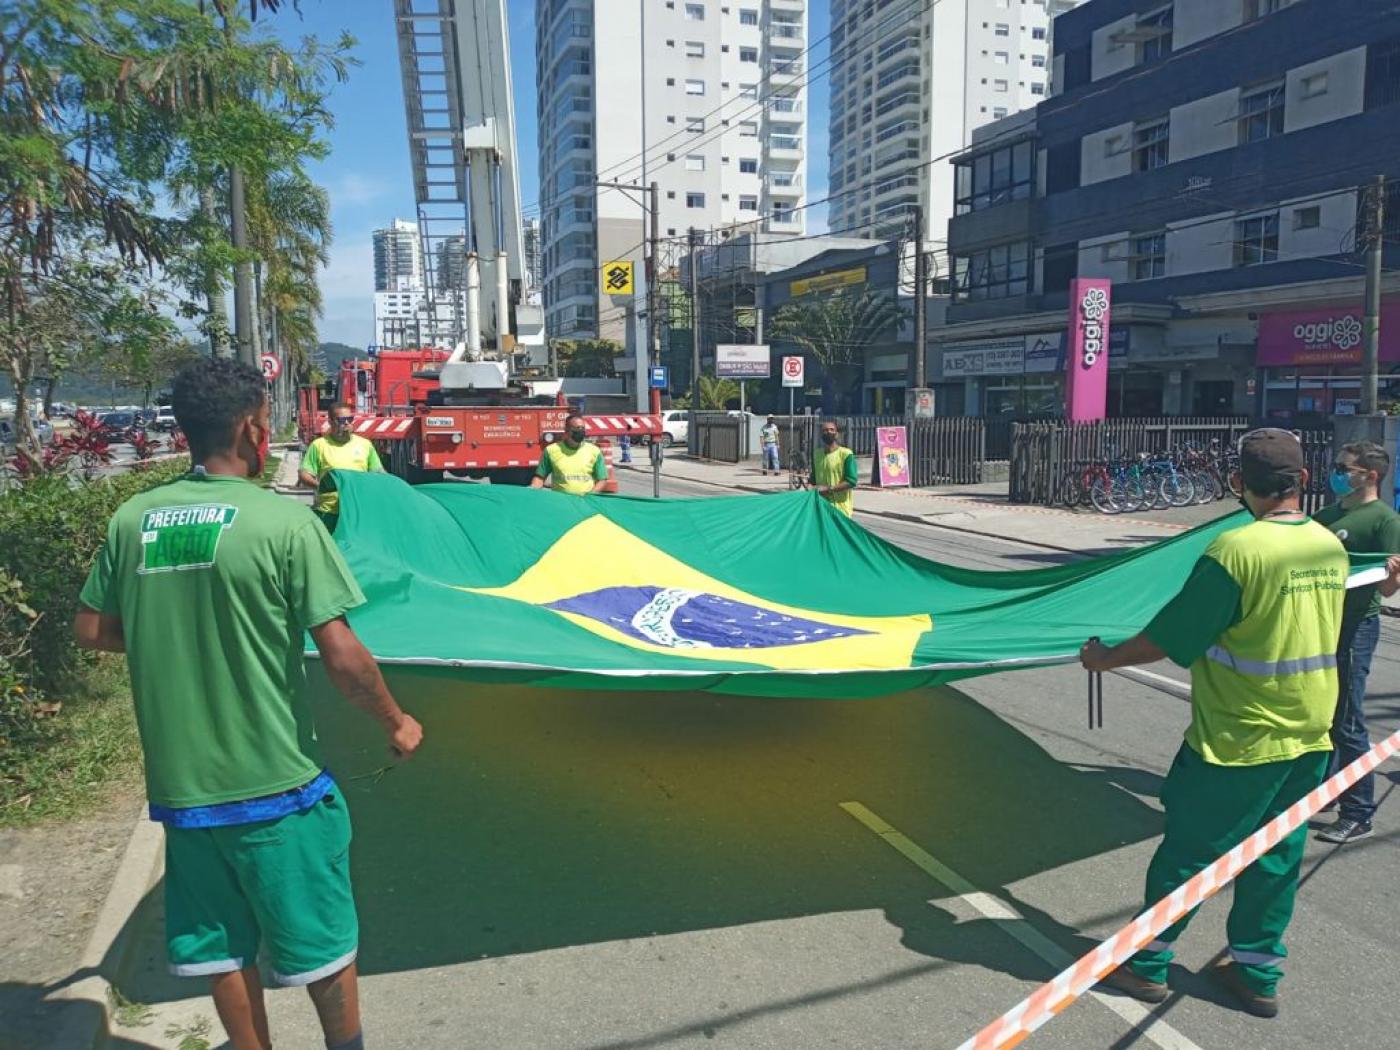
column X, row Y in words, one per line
column 50, row 532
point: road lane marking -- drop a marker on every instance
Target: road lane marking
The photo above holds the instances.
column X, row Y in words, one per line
column 1010, row 922
column 1180, row 690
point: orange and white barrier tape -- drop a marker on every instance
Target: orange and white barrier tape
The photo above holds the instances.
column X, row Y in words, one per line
column 1053, row 996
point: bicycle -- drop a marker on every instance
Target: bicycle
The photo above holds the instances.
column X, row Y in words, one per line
column 799, row 471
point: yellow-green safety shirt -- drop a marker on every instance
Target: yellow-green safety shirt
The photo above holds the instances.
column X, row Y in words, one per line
column 325, row 455
column 572, row 470
column 832, row 468
column 1257, row 623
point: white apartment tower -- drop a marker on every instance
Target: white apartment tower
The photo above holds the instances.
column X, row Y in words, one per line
column 716, row 89
column 397, row 254
column 910, row 80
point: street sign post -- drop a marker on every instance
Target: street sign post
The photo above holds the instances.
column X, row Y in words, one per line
column 660, row 378
column 271, row 367
column 794, row 376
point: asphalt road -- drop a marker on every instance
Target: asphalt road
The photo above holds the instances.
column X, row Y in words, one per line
column 628, row 871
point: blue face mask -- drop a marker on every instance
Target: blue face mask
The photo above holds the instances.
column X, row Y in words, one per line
column 1341, row 483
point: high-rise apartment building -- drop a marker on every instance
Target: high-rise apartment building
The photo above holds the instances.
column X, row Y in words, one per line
column 910, row 81
column 397, row 254
column 716, row 89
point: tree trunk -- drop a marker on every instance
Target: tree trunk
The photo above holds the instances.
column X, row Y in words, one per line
column 216, row 308
column 50, row 385
column 26, row 438
column 242, row 274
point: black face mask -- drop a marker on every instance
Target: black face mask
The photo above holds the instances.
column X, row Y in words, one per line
column 577, row 435
column 829, row 439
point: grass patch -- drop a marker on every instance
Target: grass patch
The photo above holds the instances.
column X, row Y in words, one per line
column 126, row 1013
column 89, row 745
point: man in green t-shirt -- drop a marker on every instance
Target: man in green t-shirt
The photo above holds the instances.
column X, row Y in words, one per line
column 1257, row 623
column 574, row 465
column 1365, row 524
column 209, row 584
column 835, row 472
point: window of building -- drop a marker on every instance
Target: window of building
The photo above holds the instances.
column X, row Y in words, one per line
column 748, row 129
column 695, row 12
column 695, row 125
column 748, row 165
column 1002, row 29
column 1059, row 267
column 995, row 273
column 694, row 162
column 1383, row 73
column 1149, row 256
column 1313, row 86
column 694, row 87
column 694, row 200
column 1001, row 58
column 1261, row 113
column 783, row 213
column 748, row 16
column 999, row 85
column 748, row 54
column 748, row 91
column 1154, row 35
column 998, row 112
column 1037, row 89
column 1261, row 8
column 1037, row 61
column 994, row 178
column 747, row 202
column 1038, row 34
column 694, row 49
column 1256, row 240
column 1307, row 218
column 1152, row 145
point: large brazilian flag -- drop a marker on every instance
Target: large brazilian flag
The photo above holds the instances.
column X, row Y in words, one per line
column 764, row 595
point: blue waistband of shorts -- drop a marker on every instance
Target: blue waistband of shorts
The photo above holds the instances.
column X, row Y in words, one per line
column 247, row 811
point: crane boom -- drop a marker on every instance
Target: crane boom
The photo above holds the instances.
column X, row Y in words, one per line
column 454, row 58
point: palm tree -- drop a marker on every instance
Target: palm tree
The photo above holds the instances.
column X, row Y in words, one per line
column 838, row 330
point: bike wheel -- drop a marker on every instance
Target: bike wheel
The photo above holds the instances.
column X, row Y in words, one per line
column 1072, row 488
column 1132, row 494
column 1102, row 495
column 1176, row 490
column 1204, row 485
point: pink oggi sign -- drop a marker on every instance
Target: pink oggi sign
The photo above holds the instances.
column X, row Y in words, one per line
column 1330, row 336
column 893, row 456
column 1086, row 351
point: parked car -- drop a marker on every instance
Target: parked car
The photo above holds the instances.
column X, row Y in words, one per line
column 8, row 433
column 116, row 424
column 675, row 427
column 165, row 418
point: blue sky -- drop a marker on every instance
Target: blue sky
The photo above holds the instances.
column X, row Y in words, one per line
column 367, row 172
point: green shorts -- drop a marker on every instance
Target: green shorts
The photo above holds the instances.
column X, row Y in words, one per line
column 280, row 884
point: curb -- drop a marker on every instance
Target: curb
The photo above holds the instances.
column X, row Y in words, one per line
column 105, row 957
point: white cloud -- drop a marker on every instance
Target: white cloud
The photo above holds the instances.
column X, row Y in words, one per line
column 355, row 190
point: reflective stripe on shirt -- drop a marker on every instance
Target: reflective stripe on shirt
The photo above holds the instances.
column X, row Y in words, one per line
column 1302, row 665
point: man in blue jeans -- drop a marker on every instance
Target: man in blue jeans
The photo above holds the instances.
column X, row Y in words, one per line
column 768, row 438
column 1365, row 524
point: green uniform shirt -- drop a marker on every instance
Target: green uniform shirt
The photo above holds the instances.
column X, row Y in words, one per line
column 1371, row 528
column 832, row 468
column 573, row 471
column 325, row 455
column 216, row 581
column 1257, row 623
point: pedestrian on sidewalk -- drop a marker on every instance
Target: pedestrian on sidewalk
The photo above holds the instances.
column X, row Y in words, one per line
column 339, row 449
column 1257, row 623
column 574, row 465
column 768, row 440
column 208, row 584
column 835, row 472
column 1366, row 524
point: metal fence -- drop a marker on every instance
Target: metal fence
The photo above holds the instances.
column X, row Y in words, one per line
column 1043, row 454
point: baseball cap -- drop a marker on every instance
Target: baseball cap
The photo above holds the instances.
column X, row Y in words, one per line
column 1271, row 460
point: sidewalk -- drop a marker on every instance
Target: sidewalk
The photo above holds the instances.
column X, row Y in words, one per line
column 976, row 509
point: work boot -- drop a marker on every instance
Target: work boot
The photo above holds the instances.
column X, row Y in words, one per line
column 1227, row 974
column 1130, row 984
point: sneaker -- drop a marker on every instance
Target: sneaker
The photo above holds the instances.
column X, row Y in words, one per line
column 1252, row 1002
column 1140, row 988
column 1346, row 830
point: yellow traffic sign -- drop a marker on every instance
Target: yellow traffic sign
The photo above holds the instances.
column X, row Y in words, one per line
column 617, row 277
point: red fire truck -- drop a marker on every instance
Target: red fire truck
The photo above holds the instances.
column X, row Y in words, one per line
column 431, row 416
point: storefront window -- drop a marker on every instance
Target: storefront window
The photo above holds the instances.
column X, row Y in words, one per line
column 1009, row 396
column 996, row 273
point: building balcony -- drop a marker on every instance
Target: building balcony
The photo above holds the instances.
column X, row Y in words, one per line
column 784, row 184
column 788, row 5
column 783, row 147
column 790, row 222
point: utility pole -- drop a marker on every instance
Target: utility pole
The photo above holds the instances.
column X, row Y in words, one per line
column 654, row 294
column 1371, row 330
column 920, row 300
column 692, row 439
